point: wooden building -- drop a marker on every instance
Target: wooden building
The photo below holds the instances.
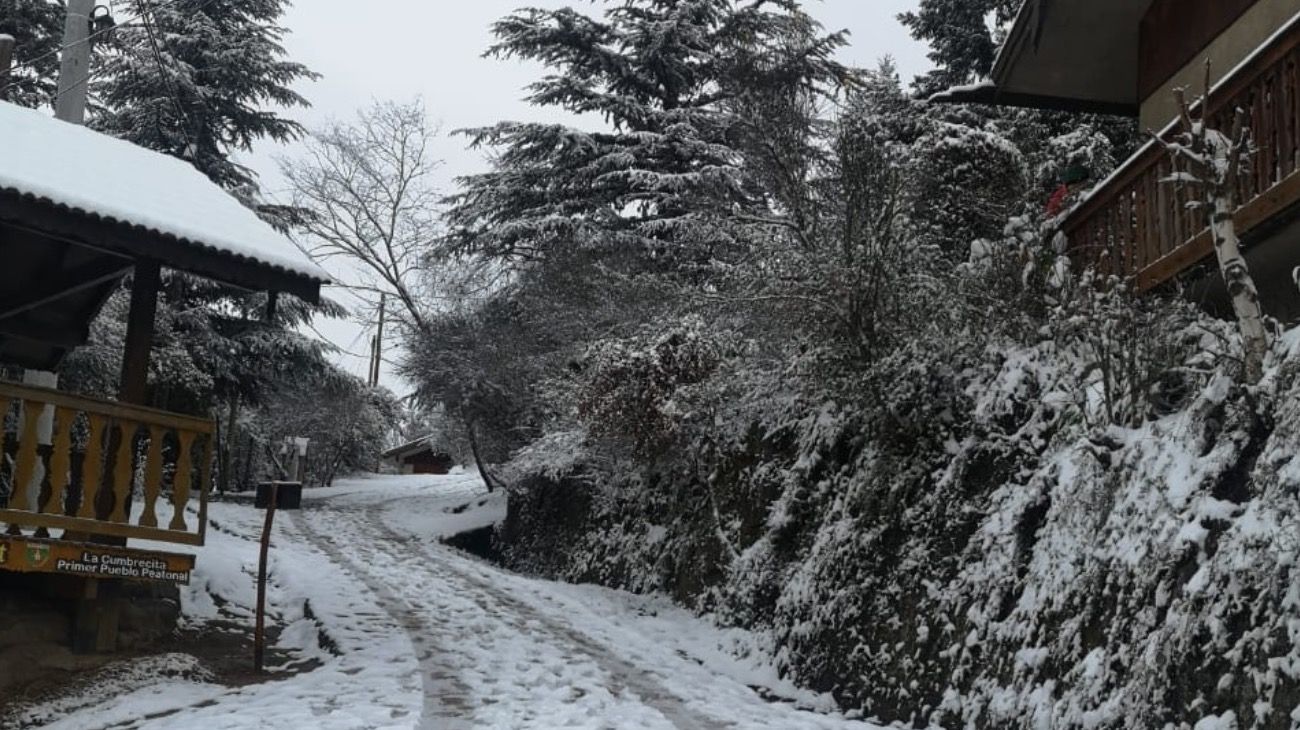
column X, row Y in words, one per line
column 419, row 457
column 78, row 212
column 1125, row 57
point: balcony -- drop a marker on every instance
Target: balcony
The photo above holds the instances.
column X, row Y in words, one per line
column 1135, row 225
column 96, row 468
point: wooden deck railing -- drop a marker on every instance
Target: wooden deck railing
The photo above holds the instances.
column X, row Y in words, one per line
column 93, row 467
column 1136, row 224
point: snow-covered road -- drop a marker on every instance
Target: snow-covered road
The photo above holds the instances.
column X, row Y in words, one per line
column 423, row 636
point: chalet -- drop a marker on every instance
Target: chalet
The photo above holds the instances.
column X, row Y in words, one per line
column 80, row 476
column 419, row 457
column 1125, row 57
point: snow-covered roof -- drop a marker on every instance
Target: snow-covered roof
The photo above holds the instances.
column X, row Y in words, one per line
column 1073, row 55
column 116, row 181
column 424, row 443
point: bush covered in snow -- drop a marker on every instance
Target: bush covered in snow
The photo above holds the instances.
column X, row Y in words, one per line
column 834, row 377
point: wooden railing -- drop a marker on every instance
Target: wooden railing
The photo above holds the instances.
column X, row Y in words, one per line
column 93, row 467
column 1137, row 224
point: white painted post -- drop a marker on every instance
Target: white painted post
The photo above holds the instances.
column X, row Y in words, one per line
column 44, row 430
column 74, row 67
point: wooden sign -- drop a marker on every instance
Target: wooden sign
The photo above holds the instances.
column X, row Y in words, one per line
column 29, row 555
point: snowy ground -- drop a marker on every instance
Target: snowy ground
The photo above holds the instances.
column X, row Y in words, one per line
column 413, row 634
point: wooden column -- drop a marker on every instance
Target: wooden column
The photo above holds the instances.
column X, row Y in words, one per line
column 98, row 610
column 139, row 334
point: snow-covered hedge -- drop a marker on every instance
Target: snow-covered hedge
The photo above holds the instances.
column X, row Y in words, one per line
column 1092, row 528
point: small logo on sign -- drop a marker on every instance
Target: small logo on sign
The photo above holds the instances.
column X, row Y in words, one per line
column 37, row 555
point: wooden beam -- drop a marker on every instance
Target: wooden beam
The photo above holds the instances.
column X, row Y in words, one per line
column 1256, row 216
column 113, row 409
column 81, row 278
column 84, row 526
column 25, row 329
column 992, row 96
column 1176, row 262
column 1269, row 205
column 139, row 333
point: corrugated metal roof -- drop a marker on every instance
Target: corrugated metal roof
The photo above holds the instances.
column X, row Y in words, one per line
column 108, row 179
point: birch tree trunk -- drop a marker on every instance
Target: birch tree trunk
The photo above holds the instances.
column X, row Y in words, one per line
column 1212, row 161
column 1241, row 286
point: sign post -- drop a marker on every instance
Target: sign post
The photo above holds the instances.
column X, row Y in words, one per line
column 270, row 495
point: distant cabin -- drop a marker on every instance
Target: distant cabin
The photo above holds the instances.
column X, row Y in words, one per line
column 419, row 457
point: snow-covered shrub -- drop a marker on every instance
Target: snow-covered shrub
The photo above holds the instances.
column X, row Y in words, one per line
column 1133, row 357
column 1078, row 155
column 968, row 181
column 631, row 388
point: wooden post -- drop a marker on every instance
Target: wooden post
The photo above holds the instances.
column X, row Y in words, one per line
column 6, row 61
column 272, row 307
column 377, row 365
column 74, row 68
column 139, row 333
column 259, row 630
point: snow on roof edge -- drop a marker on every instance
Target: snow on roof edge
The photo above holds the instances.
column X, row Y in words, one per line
column 326, row 279
column 112, row 180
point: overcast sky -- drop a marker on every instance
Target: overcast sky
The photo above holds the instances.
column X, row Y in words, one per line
column 401, row 49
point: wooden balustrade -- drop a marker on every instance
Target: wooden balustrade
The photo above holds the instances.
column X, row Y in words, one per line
column 1136, row 224
column 93, row 467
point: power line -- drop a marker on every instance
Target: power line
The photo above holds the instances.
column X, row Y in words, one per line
column 103, row 31
column 29, row 63
column 171, row 83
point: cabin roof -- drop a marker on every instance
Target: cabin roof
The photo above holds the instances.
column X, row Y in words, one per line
column 1070, row 55
column 411, row 448
column 79, row 210
column 188, row 222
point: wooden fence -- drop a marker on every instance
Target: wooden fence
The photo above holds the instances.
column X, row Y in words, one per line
column 93, row 467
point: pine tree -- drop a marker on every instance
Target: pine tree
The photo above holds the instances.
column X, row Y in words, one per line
column 660, row 73
column 963, row 42
column 200, row 79
column 37, row 26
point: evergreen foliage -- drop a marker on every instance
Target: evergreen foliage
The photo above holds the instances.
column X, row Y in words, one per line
column 659, row 73
column 37, row 28
column 963, row 36
column 201, row 80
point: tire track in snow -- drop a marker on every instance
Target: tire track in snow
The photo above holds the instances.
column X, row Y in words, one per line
column 625, row 675
column 444, row 705
column 432, row 575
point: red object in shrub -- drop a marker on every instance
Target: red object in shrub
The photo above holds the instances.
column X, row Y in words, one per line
column 1056, row 203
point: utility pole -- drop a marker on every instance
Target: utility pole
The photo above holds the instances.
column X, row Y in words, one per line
column 70, row 106
column 6, row 61
column 74, row 67
column 377, row 352
column 96, row 619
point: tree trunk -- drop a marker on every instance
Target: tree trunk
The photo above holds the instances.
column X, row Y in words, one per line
column 1241, row 288
column 228, row 446
column 478, row 459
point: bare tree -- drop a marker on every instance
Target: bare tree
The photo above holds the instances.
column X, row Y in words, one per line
column 1211, row 162
column 367, row 196
column 365, row 190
